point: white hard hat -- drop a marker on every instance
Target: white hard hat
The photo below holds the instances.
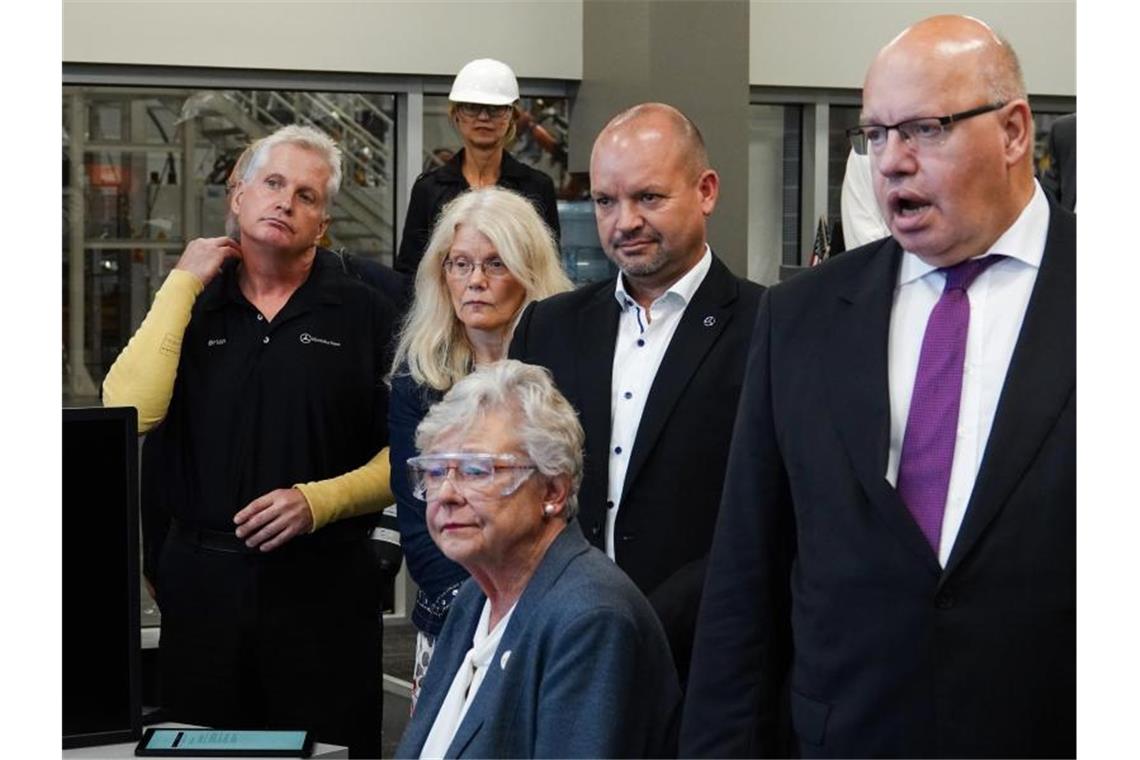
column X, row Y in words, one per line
column 485, row 81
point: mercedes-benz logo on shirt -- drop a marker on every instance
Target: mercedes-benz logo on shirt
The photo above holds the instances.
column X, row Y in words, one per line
column 308, row 338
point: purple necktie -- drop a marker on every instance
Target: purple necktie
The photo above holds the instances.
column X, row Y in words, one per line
column 932, row 424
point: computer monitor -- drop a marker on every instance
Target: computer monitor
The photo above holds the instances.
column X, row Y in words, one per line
column 101, row 636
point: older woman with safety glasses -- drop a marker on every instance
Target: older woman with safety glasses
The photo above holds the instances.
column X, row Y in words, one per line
column 550, row 650
column 484, row 110
column 488, row 257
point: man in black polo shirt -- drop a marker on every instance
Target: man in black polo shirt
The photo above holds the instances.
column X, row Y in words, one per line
column 264, row 362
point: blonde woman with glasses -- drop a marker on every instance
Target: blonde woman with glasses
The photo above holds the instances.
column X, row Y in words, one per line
column 489, row 256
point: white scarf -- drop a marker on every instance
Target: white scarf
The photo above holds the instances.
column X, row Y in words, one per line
column 465, row 684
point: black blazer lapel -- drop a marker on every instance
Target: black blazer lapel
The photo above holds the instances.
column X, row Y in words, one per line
column 1042, row 376
column 705, row 318
column 859, row 389
column 596, row 336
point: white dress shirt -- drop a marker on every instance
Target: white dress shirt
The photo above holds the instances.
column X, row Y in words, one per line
column 466, row 683
column 640, row 347
column 998, row 299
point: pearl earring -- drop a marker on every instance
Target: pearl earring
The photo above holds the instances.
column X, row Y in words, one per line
column 548, row 509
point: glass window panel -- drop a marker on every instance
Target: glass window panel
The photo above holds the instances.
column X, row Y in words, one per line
column 582, row 254
column 155, row 163
column 130, row 195
column 841, row 119
column 793, row 175
column 774, row 192
column 105, row 120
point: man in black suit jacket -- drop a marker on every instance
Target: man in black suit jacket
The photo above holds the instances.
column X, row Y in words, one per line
column 652, row 361
column 1060, row 181
column 824, row 596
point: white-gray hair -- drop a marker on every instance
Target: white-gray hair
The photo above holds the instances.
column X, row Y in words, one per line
column 304, row 137
column 545, row 423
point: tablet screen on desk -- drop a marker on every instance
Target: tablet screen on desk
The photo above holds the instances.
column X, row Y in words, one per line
column 190, row 742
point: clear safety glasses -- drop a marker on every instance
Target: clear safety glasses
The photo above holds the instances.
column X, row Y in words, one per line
column 485, row 475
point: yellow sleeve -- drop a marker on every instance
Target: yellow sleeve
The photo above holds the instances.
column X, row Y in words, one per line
column 358, row 492
column 143, row 374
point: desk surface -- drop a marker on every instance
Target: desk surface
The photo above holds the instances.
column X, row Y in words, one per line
column 127, row 749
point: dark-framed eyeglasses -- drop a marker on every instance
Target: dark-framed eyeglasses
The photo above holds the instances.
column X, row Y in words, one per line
column 472, row 110
column 461, row 268
column 927, row 132
column 485, row 475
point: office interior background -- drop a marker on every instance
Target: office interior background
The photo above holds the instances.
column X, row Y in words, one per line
column 158, row 103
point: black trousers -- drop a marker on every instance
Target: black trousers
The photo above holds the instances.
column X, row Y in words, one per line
column 286, row 639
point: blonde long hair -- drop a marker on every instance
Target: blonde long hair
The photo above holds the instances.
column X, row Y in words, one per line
column 433, row 343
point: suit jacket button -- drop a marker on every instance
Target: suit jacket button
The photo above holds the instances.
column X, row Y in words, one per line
column 944, row 600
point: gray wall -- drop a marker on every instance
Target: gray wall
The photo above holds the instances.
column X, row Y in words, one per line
column 829, row 44
column 794, row 44
column 538, row 39
column 690, row 54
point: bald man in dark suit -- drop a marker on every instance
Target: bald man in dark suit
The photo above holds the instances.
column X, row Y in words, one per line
column 652, row 361
column 895, row 559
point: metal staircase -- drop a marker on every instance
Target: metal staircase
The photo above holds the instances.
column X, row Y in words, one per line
column 363, row 213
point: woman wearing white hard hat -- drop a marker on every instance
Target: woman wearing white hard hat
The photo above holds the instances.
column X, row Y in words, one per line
column 484, row 110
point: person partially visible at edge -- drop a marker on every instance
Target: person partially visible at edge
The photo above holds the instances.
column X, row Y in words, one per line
column 895, row 560
column 264, row 362
column 1060, row 180
column 862, row 221
column 489, row 256
column 484, row 110
column 549, row 650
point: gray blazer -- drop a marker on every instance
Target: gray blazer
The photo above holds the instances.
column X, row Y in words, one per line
column 589, row 672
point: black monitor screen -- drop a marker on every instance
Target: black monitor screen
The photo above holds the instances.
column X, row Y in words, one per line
column 101, row 687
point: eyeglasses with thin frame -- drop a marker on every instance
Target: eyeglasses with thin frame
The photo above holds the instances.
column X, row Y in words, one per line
column 484, row 475
column 927, row 132
column 461, row 268
column 472, row 110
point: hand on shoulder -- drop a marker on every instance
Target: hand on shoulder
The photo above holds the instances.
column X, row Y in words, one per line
column 204, row 257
